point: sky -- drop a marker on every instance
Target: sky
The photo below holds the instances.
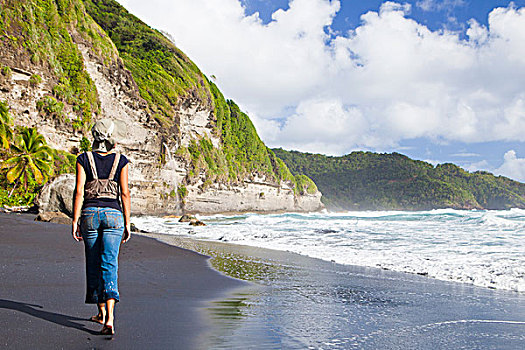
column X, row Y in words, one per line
column 439, row 81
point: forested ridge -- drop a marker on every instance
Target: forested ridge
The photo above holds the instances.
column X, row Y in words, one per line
column 372, row 181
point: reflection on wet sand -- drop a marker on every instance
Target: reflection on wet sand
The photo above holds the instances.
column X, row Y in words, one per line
column 296, row 302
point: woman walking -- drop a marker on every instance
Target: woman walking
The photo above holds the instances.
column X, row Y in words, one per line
column 100, row 220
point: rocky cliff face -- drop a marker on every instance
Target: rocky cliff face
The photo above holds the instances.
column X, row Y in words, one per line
column 157, row 173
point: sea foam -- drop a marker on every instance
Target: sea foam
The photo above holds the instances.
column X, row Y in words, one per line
column 484, row 248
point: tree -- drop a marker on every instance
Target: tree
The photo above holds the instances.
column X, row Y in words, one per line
column 32, row 158
column 6, row 134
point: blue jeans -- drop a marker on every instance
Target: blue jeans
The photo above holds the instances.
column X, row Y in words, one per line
column 102, row 230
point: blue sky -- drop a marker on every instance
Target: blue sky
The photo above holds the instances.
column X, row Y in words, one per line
column 451, row 14
column 440, row 81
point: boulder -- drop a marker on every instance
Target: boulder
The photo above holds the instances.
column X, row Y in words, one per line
column 195, row 222
column 55, row 217
column 57, row 195
column 186, row 218
column 136, row 229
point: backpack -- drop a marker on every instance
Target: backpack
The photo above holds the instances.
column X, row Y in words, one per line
column 102, row 188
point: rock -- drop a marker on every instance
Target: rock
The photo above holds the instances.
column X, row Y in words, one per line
column 57, row 196
column 246, row 197
column 55, row 217
column 171, row 217
column 135, row 229
column 186, row 218
column 19, row 209
column 195, row 222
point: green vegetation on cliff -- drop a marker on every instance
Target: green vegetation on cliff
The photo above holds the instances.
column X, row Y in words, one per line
column 26, row 162
column 43, row 35
column 162, row 72
column 165, row 76
column 365, row 180
column 46, row 39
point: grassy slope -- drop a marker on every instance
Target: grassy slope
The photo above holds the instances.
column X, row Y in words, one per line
column 39, row 34
column 165, row 75
column 365, row 180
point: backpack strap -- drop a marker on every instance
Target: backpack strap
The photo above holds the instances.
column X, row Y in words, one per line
column 92, row 164
column 114, row 167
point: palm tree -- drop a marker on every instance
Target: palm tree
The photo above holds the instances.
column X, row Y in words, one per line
column 6, row 134
column 32, row 159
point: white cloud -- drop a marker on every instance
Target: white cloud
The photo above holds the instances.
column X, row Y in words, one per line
column 388, row 80
column 481, row 165
column 439, row 5
column 389, row 6
column 465, row 154
column 323, row 126
column 512, row 167
column 434, row 162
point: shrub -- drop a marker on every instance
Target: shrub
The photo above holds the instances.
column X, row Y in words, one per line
column 49, row 106
column 305, row 185
column 85, row 145
column 35, row 58
column 6, row 71
column 182, row 191
column 35, row 80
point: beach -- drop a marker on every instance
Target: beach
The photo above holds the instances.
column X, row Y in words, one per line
column 176, row 298
column 162, row 291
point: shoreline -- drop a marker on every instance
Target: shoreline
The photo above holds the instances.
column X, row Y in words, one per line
column 217, row 249
column 300, row 302
column 428, row 266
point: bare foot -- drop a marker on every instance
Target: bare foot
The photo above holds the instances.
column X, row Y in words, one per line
column 107, row 330
column 97, row 319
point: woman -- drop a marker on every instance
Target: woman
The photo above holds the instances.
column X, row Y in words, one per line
column 100, row 220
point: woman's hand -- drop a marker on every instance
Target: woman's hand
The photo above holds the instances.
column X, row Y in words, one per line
column 127, row 233
column 75, row 231
column 77, row 202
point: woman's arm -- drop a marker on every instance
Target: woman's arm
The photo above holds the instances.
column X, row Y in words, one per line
column 126, row 202
column 77, row 201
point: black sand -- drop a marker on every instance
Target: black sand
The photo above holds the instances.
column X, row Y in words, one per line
column 162, row 288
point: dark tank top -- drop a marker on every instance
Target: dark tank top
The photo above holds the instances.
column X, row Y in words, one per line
column 103, row 164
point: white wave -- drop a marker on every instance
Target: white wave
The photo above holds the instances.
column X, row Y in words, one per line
column 485, row 248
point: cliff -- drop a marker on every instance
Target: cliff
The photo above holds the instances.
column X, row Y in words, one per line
column 65, row 63
column 372, row 181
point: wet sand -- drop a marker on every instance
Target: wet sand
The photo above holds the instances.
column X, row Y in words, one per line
column 163, row 291
column 305, row 303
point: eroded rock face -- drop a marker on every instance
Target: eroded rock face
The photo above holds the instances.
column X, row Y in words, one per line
column 155, row 174
column 154, row 185
column 250, row 196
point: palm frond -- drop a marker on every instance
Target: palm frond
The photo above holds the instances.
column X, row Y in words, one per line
column 37, row 174
column 11, row 162
column 15, row 172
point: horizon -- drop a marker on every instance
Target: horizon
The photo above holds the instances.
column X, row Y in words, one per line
column 438, row 81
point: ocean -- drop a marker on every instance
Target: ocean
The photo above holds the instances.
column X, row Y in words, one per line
column 482, row 248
